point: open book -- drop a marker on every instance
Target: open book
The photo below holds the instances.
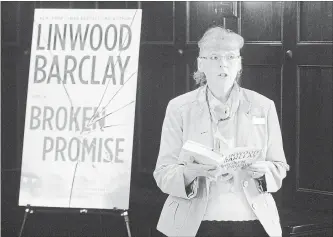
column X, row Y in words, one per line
column 230, row 159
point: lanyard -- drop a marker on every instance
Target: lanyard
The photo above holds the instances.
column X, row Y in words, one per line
column 217, row 135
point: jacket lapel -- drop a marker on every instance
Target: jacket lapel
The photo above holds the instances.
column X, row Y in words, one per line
column 203, row 130
column 244, row 122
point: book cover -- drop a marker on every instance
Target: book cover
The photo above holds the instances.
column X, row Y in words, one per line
column 229, row 159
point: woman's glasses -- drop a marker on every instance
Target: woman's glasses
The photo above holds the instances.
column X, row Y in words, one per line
column 216, row 58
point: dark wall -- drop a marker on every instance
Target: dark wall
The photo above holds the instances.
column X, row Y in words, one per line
column 300, row 86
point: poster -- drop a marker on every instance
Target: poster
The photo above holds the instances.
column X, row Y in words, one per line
column 79, row 124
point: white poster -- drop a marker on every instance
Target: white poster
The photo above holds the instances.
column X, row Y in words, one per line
column 79, row 123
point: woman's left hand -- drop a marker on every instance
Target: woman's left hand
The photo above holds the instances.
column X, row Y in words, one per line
column 258, row 169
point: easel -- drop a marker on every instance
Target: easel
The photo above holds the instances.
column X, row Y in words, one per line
column 31, row 210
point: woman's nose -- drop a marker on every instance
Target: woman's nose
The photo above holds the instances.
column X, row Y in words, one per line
column 223, row 63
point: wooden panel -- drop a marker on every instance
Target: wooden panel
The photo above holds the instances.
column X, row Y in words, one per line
column 26, row 25
column 231, row 23
column 8, row 105
column 83, row 5
column 111, row 5
column 316, row 21
column 12, row 215
column 260, row 54
column 191, row 67
column 52, row 4
column 314, row 54
column 156, row 88
column 9, row 21
column 158, row 22
column 261, row 21
column 315, row 129
column 202, row 15
column 265, row 80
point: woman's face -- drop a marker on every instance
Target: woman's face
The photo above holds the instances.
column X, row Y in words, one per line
column 220, row 67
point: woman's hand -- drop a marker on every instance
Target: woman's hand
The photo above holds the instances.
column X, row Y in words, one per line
column 193, row 170
column 258, row 169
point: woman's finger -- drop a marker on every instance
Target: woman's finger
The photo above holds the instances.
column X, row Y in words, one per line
column 257, row 165
column 256, row 174
column 256, row 168
column 201, row 166
column 261, row 170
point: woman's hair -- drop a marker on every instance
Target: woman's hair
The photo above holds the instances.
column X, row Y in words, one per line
column 213, row 37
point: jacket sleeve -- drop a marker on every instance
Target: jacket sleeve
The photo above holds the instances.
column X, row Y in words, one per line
column 169, row 170
column 278, row 166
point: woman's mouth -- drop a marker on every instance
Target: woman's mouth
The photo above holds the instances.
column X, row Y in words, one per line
column 223, row 75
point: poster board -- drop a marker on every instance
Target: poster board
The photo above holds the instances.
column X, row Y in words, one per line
column 80, row 111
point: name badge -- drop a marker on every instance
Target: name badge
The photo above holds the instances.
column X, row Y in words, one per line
column 258, row 120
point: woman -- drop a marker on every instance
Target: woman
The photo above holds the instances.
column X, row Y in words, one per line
column 205, row 200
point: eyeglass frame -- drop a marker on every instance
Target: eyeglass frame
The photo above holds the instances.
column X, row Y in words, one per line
column 220, row 57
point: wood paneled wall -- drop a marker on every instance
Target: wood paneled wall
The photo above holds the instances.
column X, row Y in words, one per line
column 301, row 87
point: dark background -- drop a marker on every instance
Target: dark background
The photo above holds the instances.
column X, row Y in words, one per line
column 301, row 87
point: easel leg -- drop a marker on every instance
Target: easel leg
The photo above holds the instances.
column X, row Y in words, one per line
column 27, row 211
column 125, row 215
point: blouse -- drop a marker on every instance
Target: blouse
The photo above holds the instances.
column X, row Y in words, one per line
column 226, row 199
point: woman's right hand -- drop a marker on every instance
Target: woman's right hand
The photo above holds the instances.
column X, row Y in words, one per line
column 193, row 170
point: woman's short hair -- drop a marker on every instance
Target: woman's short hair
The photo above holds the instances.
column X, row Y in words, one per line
column 217, row 38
